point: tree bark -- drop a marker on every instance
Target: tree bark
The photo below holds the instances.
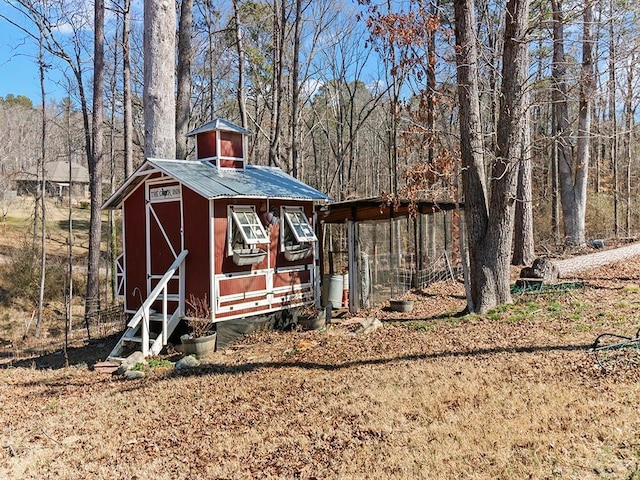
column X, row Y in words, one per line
column 159, row 68
column 92, row 301
column 242, row 104
column 613, row 118
column 42, row 193
column 471, row 144
column 185, row 57
column 573, row 172
column 295, row 87
column 523, row 248
column 276, row 85
column 126, row 90
column 490, row 226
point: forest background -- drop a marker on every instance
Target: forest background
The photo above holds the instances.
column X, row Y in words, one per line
column 356, row 99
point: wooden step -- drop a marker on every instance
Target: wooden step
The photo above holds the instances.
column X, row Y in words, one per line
column 138, row 339
column 157, row 317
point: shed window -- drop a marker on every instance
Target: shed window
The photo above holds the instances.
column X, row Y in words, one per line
column 246, row 229
column 297, row 235
column 298, row 224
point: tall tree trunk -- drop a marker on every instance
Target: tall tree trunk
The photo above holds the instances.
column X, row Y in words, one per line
column 276, row 87
column 42, row 193
column 523, row 247
column 69, row 296
column 185, row 55
column 471, row 145
column 613, row 119
column 159, row 77
column 630, row 114
column 295, row 87
column 92, row 300
column 491, row 226
column 126, row 90
column 573, row 173
column 242, row 103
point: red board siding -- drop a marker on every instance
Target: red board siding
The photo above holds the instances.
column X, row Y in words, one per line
column 135, row 249
column 280, row 261
column 231, row 145
column 225, row 163
column 291, row 284
column 283, row 279
column 206, row 143
column 223, row 261
column 196, row 240
column 251, row 283
column 245, row 311
column 168, row 214
column 245, row 304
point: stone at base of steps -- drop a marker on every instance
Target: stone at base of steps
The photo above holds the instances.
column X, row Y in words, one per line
column 106, row 367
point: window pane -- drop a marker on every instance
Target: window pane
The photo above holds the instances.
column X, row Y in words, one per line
column 299, row 224
column 249, row 226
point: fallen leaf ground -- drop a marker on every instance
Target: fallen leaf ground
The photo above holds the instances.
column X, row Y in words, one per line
column 511, row 394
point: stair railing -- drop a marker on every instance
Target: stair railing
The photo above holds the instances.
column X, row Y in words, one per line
column 143, row 312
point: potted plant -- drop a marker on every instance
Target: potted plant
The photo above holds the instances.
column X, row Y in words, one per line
column 201, row 338
column 312, row 318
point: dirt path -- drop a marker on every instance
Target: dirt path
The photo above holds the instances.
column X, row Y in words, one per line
column 571, row 266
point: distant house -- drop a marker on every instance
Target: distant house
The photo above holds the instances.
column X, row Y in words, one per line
column 57, row 180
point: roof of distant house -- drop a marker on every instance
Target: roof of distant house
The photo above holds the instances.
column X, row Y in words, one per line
column 57, row 172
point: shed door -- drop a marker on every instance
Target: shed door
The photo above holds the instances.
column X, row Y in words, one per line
column 164, row 231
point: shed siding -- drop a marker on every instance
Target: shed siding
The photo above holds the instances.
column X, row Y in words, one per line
column 206, row 145
column 196, row 240
column 231, row 145
column 135, row 249
column 162, row 256
column 223, row 261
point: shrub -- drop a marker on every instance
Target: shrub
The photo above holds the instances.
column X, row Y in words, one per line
column 22, row 274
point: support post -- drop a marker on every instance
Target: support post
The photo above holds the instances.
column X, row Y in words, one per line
column 164, row 315
column 145, row 331
column 352, row 242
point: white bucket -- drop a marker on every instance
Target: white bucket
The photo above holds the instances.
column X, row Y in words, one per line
column 334, row 292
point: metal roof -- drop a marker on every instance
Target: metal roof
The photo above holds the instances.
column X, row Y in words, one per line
column 58, row 172
column 211, row 182
column 378, row 208
column 219, row 124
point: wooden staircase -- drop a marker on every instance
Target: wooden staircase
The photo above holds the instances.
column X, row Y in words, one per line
column 148, row 330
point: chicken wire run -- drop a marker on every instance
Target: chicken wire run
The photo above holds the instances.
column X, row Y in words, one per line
column 391, row 256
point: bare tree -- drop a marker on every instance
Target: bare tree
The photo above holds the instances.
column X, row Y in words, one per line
column 159, row 67
column 277, row 85
column 490, row 221
column 92, row 300
column 126, row 89
column 573, row 169
column 185, row 55
column 241, row 96
column 42, row 187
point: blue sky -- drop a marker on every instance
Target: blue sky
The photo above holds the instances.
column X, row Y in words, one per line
column 18, row 63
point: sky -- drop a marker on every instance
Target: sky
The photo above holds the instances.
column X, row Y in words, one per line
column 18, row 63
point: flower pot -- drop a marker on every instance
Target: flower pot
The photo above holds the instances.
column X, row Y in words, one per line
column 314, row 321
column 404, row 306
column 200, row 346
column 297, row 253
column 248, row 256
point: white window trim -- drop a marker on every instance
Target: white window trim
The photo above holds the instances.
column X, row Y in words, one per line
column 288, row 217
column 232, row 218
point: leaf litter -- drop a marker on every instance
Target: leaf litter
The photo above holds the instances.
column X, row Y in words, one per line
column 511, row 394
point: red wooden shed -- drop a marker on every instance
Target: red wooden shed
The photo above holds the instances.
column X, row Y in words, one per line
column 238, row 236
